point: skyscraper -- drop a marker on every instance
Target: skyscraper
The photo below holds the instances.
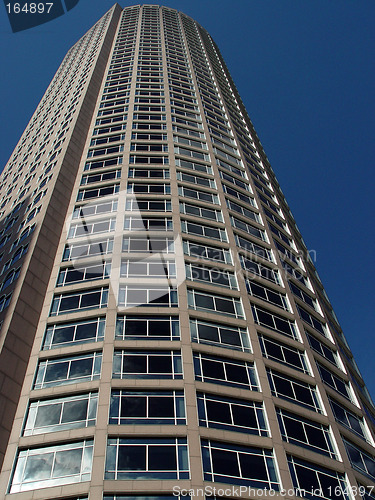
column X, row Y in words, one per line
column 161, row 318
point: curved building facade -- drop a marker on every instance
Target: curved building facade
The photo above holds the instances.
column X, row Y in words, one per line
column 164, row 331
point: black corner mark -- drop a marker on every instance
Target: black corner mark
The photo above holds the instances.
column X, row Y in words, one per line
column 25, row 14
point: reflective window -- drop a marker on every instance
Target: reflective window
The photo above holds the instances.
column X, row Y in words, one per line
column 147, row 327
column 91, row 209
column 77, row 251
column 310, row 301
column 147, row 364
column 325, row 351
column 312, row 321
column 283, row 353
column 249, row 229
column 254, row 248
column 313, row 478
column 275, row 322
column 231, row 414
column 147, row 407
column 207, row 252
column 204, row 301
column 260, row 270
column 268, row 294
column 244, row 465
column 351, row 421
column 71, row 412
column 361, row 461
column 149, row 245
column 149, row 458
column 306, row 433
column 134, row 296
column 75, row 301
column 213, row 276
column 70, row 275
column 63, row 334
column 201, row 212
column 296, row 391
column 88, row 228
column 52, row 466
column 88, row 194
column 155, row 205
column 150, row 268
column 148, row 224
column 198, row 195
column 204, row 231
column 232, row 337
column 245, row 212
column 337, row 383
column 69, row 370
column 225, row 371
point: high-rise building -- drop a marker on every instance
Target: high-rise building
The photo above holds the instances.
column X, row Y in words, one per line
column 162, row 326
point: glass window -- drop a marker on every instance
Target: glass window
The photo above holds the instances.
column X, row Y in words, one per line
column 147, row 407
column 225, row 371
column 92, row 209
column 361, row 461
column 134, row 296
column 147, row 327
column 348, row 419
column 336, row 382
column 77, row 251
column 147, row 364
column 149, row 458
column 312, row 321
column 63, row 334
column 75, row 301
column 150, row 244
column 148, row 224
column 203, row 301
column 296, row 391
column 260, row 270
column 198, row 195
column 306, row 433
column 254, row 248
column 52, row 466
column 149, row 268
column 232, row 337
column 204, row 231
column 275, row 322
column 201, row 212
column 231, row 414
column 283, row 353
column 69, row 370
column 89, row 194
column 245, row 212
column 213, row 276
column 310, row 301
column 243, row 465
column 312, row 478
column 207, row 252
column 248, row 229
column 148, row 188
column 70, row 275
column 89, row 228
column 268, row 294
column 154, row 205
column 322, row 349
column 51, row 415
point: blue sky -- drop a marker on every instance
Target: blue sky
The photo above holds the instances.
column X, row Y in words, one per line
column 305, row 71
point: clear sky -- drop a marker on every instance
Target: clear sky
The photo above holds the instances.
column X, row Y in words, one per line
column 306, row 73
